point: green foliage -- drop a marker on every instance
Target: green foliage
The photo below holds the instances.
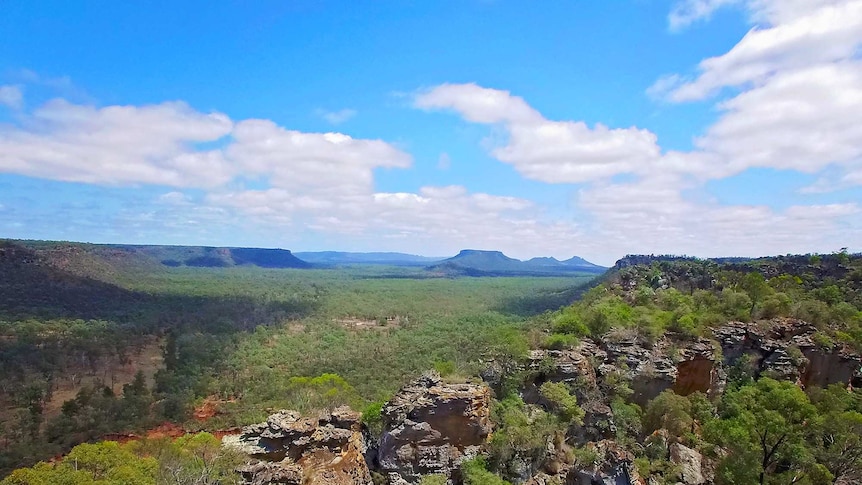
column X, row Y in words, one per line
column 372, row 417
column 433, row 480
column 562, row 402
column 445, row 367
column 560, row 341
column 765, row 425
column 669, row 411
column 474, row 472
column 586, row 456
column 521, row 431
column 628, row 420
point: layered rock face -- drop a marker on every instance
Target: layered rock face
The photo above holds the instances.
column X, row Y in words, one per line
column 786, row 350
column 781, row 348
column 291, row 449
column 431, row 427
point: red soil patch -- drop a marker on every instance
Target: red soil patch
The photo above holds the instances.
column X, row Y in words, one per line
column 209, row 408
column 166, row 430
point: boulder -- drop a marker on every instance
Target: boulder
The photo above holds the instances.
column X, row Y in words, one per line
column 291, row 449
column 690, row 463
column 614, row 466
column 430, row 427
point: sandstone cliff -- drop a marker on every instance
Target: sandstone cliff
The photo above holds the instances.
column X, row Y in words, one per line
column 294, row 450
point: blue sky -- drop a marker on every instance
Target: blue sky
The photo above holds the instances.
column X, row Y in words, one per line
column 705, row 127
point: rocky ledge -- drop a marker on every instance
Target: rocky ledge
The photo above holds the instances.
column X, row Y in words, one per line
column 429, row 427
column 294, row 450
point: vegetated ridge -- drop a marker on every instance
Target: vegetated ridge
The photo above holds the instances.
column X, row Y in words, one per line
column 472, row 262
column 165, row 255
column 667, row 370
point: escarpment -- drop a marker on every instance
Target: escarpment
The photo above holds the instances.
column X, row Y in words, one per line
column 292, row 449
column 429, row 428
column 781, row 348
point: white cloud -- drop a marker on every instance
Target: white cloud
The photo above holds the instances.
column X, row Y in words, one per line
column 652, row 215
column 802, row 119
column 11, row 96
column 174, row 198
column 796, row 105
column 800, row 100
column 324, row 163
column 541, row 149
column 117, row 145
column 799, row 107
column 822, row 32
column 336, row 117
column 446, row 219
column 686, row 12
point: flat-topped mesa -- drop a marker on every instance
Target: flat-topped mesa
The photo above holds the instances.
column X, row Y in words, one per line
column 430, row 427
column 291, row 449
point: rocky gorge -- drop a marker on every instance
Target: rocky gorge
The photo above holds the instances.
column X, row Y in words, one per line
column 430, row 427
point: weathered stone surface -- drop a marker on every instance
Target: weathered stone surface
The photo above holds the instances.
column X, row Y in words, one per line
column 430, row 427
column 690, row 462
column 294, row 450
column 771, row 345
column 598, row 424
column 685, row 366
column 613, row 467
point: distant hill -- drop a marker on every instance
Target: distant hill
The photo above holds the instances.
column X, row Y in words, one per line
column 472, row 262
column 338, row 258
column 213, row 257
column 83, row 258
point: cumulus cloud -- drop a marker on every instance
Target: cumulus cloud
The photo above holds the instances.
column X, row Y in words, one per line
column 542, row 149
column 799, row 104
column 797, row 107
column 799, row 34
column 336, row 117
column 152, row 144
column 11, row 96
column 325, row 163
column 802, row 119
column 790, row 99
column 320, row 182
column 653, row 215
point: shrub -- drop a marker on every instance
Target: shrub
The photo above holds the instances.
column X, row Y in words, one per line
column 669, row 411
column 445, row 367
column 372, row 417
column 560, row 341
column 474, row 472
column 435, row 479
column 561, row 401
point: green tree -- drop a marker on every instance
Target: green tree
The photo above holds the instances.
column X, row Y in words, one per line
column 754, row 285
column 765, row 426
column 670, row 411
column 474, row 472
column 562, row 401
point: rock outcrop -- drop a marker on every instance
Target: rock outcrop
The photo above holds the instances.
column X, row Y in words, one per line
column 613, row 466
column 786, row 349
column 430, row 427
column 781, row 348
column 291, row 449
column 690, row 463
